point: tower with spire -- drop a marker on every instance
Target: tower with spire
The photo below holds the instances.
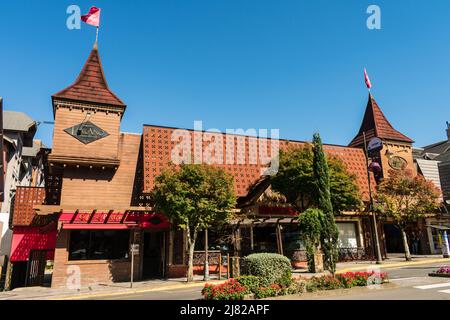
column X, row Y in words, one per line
column 87, row 120
column 397, row 148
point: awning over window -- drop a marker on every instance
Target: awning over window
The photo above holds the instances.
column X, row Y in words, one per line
column 26, row 239
column 113, row 220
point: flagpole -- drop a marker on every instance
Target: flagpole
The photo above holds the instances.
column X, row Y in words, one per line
column 96, row 36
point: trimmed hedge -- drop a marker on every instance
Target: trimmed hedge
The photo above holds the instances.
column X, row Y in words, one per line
column 270, row 268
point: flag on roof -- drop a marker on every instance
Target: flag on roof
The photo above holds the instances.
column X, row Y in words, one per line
column 93, row 17
column 366, row 78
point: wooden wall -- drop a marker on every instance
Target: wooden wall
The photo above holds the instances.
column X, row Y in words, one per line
column 66, row 145
column 103, row 189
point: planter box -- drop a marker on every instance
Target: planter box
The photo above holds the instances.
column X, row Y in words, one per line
column 441, row 275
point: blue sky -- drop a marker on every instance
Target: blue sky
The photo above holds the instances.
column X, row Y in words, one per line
column 294, row 65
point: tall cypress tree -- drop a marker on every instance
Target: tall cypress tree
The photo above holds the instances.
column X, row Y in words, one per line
column 330, row 231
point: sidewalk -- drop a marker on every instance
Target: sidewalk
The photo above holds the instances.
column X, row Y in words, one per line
column 116, row 289
column 104, row 290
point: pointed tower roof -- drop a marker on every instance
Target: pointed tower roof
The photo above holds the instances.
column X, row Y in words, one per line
column 375, row 124
column 91, row 85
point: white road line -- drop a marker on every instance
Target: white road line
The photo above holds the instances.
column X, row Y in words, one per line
column 433, row 286
column 401, row 279
column 445, row 291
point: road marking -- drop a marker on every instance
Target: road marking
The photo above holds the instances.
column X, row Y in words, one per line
column 445, row 291
column 401, row 279
column 433, row 286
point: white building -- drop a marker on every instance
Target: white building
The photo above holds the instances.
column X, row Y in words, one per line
column 21, row 167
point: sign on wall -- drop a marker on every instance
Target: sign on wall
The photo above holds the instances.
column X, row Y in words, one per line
column 87, row 132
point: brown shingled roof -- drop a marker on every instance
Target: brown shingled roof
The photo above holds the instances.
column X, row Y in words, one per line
column 91, row 85
column 158, row 146
column 375, row 124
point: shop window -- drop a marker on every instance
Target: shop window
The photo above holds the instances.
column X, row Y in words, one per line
column 347, row 235
column 264, row 238
column 291, row 237
column 99, row 244
column 178, row 247
column 219, row 239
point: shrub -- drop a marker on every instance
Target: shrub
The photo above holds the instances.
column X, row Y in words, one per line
column 443, row 270
column 270, row 268
column 325, row 283
column 229, row 290
column 361, row 279
column 265, row 292
column 252, row 283
column 296, row 287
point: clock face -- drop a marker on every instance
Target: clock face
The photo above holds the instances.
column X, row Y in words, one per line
column 398, row 163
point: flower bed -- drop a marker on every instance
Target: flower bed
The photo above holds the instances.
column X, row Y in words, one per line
column 239, row 288
column 441, row 272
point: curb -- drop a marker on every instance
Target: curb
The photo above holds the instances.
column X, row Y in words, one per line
column 131, row 291
column 395, row 265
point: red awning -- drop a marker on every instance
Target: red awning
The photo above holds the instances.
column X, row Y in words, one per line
column 26, row 239
column 113, row 220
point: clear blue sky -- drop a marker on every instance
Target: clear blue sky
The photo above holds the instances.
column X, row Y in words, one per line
column 296, row 65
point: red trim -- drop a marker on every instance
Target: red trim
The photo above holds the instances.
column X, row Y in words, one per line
column 97, row 226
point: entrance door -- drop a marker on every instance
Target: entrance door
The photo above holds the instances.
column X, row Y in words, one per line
column 153, row 257
column 36, row 268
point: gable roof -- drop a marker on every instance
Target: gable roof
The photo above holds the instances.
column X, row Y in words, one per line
column 159, row 143
column 375, row 124
column 17, row 121
column 91, row 85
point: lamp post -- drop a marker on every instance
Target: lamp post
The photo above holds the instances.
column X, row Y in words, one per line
column 206, row 274
column 374, row 219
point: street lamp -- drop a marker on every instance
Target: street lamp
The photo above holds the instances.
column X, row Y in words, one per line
column 374, row 219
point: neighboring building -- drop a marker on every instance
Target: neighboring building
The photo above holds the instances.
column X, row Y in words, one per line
column 21, row 168
column 19, row 130
column 433, row 162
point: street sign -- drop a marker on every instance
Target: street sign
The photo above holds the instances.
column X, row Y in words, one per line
column 134, row 248
column 375, row 144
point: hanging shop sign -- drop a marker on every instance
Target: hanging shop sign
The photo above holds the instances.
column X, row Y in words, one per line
column 375, row 144
column 86, row 132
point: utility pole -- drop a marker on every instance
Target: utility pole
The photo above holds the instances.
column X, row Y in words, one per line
column 374, row 219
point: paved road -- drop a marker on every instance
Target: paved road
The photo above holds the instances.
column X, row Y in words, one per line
column 407, row 283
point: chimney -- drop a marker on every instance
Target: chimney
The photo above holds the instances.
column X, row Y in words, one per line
column 448, row 130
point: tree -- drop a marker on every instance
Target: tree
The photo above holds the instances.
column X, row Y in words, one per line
column 295, row 181
column 310, row 227
column 330, row 231
column 195, row 197
column 406, row 198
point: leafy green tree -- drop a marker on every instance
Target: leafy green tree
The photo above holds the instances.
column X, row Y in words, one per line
column 310, row 227
column 406, row 198
column 295, row 181
column 330, row 231
column 195, row 197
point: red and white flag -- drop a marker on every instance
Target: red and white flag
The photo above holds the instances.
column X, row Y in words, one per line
column 93, row 17
column 366, row 78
